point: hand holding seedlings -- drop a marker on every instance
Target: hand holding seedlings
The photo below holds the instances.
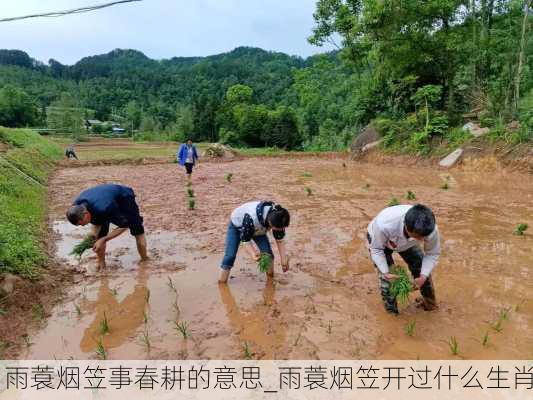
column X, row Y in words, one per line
column 86, row 244
column 401, row 286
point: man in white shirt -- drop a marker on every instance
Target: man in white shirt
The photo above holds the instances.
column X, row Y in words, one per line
column 401, row 228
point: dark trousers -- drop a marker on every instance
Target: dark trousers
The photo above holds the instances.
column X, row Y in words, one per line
column 413, row 258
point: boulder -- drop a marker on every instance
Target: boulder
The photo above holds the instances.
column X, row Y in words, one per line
column 451, row 159
column 367, row 136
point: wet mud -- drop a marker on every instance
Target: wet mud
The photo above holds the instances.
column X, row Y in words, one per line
column 328, row 305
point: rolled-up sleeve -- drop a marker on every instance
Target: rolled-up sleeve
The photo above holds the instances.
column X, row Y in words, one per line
column 431, row 252
column 377, row 249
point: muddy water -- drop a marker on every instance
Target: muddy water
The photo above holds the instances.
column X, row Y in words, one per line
column 328, row 305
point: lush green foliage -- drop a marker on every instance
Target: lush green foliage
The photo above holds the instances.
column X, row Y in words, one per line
column 23, row 209
column 422, row 68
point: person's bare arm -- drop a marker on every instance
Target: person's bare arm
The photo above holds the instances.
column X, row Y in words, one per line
column 251, row 250
column 99, row 245
column 283, row 255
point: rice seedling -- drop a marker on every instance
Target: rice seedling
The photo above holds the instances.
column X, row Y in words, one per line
column 145, row 317
column 344, row 165
column 367, row 186
column 498, row 325
column 401, row 287
column 100, row 351
column 176, row 306
column 191, row 204
column 145, row 338
column 228, row 177
column 183, row 328
column 329, row 327
column 170, row 284
column 2, row 311
column 445, row 186
column 517, row 307
column 38, row 311
column 27, row 340
column 189, row 184
column 410, row 195
column 520, row 229
column 307, row 174
column 147, row 296
column 86, row 244
column 265, row 262
column 485, row 340
column 104, row 325
column 78, row 310
column 504, row 314
column 246, row 351
column 190, row 192
column 114, row 292
column 453, row 345
column 410, row 328
column 308, row 190
column 393, row 202
column 297, row 340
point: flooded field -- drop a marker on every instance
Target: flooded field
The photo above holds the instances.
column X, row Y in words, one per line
column 328, row 305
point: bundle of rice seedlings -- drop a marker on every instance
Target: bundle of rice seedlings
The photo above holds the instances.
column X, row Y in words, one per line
column 84, row 245
column 401, row 287
column 265, row 261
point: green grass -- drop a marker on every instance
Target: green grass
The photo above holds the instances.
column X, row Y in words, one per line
column 265, row 262
column 23, row 202
column 401, row 287
column 520, row 229
column 410, row 196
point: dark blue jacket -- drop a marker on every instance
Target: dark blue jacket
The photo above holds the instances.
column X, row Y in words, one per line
column 108, row 204
column 182, row 154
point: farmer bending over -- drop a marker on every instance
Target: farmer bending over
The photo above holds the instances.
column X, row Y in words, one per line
column 252, row 221
column 105, row 204
column 70, row 153
column 399, row 228
column 187, row 156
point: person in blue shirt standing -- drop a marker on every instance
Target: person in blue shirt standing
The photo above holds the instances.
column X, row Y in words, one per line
column 187, row 157
column 109, row 204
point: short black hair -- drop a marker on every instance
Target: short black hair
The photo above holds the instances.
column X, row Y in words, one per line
column 189, row 140
column 76, row 213
column 420, row 220
column 279, row 217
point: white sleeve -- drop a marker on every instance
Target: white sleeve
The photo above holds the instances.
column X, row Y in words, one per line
column 377, row 248
column 431, row 252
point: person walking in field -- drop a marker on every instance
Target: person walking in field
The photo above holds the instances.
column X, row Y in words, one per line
column 187, row 157
column 251, row 222
column 109, row 204
column 69, row 152
column 401, row 228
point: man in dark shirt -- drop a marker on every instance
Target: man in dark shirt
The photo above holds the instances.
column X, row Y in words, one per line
column 105, row 204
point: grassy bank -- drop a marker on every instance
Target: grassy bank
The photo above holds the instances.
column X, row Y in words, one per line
column 23, row 210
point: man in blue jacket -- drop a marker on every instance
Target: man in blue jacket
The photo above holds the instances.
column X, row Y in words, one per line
column 105, row 204
column 187, row 157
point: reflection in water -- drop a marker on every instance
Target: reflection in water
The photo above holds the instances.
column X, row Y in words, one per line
column 128, row 314
column 253, row 327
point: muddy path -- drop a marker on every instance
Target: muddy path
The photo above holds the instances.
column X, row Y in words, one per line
column 328, row 305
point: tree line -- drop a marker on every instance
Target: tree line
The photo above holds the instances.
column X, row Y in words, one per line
column 417, row 69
